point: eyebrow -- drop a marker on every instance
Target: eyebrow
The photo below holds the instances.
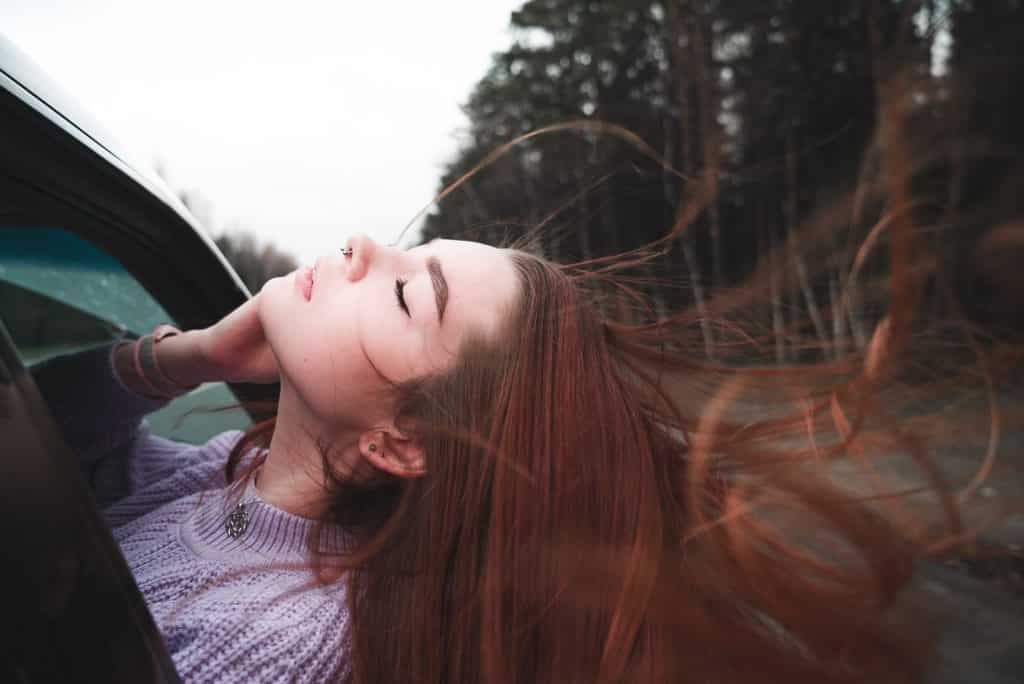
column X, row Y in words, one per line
column 440, row 286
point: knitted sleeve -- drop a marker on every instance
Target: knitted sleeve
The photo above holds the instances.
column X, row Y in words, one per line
column 102, row 421
column 95, row 412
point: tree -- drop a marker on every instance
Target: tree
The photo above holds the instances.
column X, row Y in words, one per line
column 770, row 109
column 255, row 263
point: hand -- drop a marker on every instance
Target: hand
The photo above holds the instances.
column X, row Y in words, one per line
column 236, row 349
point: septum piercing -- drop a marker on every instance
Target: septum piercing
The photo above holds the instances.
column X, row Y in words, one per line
column 346, row 251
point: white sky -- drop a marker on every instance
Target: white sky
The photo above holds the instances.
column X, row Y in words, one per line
column 302, row 121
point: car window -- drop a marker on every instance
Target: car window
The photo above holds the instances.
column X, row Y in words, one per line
column 59, row 293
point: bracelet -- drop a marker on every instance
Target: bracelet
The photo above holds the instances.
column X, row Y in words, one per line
column 148, row 369
column 161, row 332
column 151, row 390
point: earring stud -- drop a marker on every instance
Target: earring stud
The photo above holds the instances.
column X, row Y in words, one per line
column 346, row 251
column 373, row 447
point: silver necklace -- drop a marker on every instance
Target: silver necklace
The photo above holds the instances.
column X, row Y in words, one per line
column 237, row 521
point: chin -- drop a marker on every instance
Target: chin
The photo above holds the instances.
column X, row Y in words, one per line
column 275, row 283
column 274, row 310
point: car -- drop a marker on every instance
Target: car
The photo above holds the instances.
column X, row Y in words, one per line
column 92, row 247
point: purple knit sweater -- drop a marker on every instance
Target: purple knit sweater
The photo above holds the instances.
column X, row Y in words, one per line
column 213, row 597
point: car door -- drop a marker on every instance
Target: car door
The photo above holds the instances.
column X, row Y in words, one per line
column 72, row 611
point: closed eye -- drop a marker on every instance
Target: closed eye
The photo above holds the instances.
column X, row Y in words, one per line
column 400, row 296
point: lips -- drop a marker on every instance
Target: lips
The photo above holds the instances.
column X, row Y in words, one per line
column 304, row 281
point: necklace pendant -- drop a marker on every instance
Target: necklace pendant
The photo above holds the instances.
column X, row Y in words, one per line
column 237, row 521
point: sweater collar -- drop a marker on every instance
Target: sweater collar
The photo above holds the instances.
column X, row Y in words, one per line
column 271, row 534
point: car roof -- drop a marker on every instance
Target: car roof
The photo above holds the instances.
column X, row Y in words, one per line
column 25, row 80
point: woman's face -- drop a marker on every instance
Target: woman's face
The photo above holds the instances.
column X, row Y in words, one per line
column 380, row 312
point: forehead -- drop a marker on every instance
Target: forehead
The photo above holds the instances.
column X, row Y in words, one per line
column 481, row 282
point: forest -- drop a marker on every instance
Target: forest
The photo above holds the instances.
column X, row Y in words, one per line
column 775, row 131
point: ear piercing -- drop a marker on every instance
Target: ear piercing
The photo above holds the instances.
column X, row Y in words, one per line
column 346, row 251
column 373, row 446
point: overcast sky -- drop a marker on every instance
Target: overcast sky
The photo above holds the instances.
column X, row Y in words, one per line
column 302, row 121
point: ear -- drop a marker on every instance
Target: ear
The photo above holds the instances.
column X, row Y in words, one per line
column 393, row 452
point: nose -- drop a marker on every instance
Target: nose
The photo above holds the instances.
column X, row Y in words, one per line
column 362, row 254
column 365, row 253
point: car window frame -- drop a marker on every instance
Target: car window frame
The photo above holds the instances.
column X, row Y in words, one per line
column 49, row 177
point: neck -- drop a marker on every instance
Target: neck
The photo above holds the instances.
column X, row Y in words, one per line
column 292, row 477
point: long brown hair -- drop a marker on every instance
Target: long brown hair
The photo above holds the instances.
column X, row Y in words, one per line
column 603, row 503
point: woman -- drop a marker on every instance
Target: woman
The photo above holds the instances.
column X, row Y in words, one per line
column 492, row 481
column 337, row 336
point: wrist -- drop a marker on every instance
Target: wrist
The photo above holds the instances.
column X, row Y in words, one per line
column 181, row 358
column 170, row 377
column 203, row 361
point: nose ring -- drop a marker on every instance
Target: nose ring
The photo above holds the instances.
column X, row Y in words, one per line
column 346, row 251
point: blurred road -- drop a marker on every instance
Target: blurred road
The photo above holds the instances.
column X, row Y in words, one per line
column 982, row 627
column 976, row 598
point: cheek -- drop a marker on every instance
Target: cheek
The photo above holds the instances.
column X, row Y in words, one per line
column 332, row 371
column 393, row 345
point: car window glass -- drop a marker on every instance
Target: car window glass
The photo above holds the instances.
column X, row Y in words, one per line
column 60, row 294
